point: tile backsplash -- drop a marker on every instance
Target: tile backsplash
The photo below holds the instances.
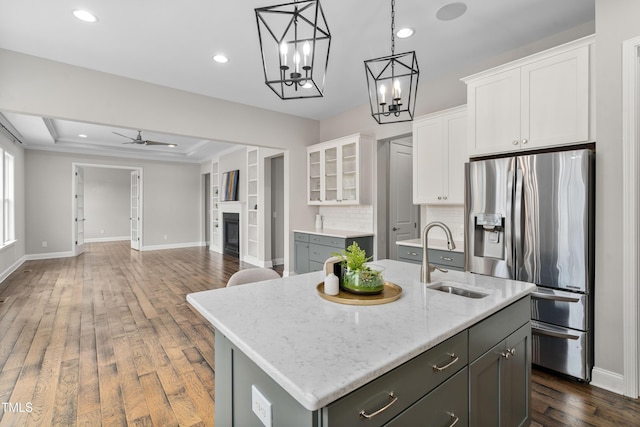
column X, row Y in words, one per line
column 352, row 218
column 452, row 216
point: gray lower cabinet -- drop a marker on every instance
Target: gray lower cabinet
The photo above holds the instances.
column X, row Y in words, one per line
column 479, row 377
column 301, row 242
column 312, row 250
column 440, row 258
column 499, row 379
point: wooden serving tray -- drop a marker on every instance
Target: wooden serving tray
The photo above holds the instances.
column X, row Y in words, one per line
column 391, row 292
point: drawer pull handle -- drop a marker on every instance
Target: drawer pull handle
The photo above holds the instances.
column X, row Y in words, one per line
column 454, row 419
column 392, row 399
column 446, row 258
column 412, row 253
column 454, row 359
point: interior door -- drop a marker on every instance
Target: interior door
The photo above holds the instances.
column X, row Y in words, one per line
column 403, row 214
column 78, row 208
column 135, row 210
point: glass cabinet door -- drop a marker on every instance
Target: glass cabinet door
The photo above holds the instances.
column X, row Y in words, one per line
column 330, row 174
column 314, row 176
column 349, row 173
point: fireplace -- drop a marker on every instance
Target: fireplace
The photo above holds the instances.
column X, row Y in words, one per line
column 231, row 234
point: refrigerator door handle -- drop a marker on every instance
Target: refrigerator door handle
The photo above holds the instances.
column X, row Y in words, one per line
column 509, row 225
column 539, row 330
column 517, row 221
column 552, row 297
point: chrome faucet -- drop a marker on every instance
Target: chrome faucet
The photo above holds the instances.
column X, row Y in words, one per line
column 425, row 272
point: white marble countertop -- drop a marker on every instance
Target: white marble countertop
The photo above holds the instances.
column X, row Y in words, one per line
column 342, row 234
column 433, row 244
column 319, row 351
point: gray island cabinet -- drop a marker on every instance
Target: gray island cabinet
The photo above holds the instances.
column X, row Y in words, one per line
column 286, row 357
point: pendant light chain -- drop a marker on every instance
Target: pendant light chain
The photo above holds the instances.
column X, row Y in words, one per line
column 393, row 27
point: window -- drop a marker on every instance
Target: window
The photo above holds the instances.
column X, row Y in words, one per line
column 8, row 198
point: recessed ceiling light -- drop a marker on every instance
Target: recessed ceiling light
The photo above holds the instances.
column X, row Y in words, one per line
column 451, row 11
column 82, row 135
column 221, row 59
column 85, row 16
column 403, row 33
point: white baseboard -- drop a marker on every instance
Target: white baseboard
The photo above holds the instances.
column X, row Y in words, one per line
column 49, row 255
column 607, row 380
column 172, row 246
column 12, row 268
column 106, row 239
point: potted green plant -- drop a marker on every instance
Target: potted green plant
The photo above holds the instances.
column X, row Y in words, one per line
column 358, row 277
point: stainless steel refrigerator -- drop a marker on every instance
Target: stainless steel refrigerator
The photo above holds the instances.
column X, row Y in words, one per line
column 531, row 218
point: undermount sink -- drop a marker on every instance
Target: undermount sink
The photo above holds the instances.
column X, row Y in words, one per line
column 451, row 288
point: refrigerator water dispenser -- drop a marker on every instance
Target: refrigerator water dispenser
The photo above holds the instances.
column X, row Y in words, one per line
column 489, row 236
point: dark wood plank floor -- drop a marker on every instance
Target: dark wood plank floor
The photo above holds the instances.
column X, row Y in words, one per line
column 107, row 339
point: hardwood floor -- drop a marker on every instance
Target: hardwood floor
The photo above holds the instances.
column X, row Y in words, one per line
column 107, row 339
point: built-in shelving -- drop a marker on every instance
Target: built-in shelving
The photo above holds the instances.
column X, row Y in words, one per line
column 335, row 174
column 253, row 205
column 215, row 206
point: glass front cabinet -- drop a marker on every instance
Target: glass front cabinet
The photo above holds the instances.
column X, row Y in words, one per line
column 340, row 171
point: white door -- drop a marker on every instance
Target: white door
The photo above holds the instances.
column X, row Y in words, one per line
column 403, row 214
column 78, row 208
column 135, row 210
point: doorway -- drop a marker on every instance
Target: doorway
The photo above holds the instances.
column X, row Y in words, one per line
column 107, row 205
column 402, row 213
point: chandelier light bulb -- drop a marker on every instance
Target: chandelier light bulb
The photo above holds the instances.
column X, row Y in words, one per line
column 284, row 49
column 306, row 50
column 296, row 61
column 398, row 91
column 383, row 91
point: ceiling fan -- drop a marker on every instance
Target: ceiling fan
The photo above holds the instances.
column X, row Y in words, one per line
column 139, row 140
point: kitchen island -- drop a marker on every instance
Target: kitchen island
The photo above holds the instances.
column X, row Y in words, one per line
column 320, row 363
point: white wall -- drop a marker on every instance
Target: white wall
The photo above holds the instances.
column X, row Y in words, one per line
column 171, row 198
column 12, row 256
column 107, row 200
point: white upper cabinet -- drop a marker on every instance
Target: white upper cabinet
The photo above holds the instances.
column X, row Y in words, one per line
column 539, row 101
column 439, row 155
column 340, row 171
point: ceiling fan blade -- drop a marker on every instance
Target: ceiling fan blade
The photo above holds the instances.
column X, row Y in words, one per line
column 124, row 136
column 159, row 143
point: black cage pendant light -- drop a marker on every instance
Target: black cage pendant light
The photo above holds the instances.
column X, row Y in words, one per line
column 294, row 42
column 393, row 83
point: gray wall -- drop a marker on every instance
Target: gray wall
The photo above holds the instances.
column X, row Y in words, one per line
column 616, row 21
column 12, row 256
column 107, row 199
column 171, row 201
column 41, row 87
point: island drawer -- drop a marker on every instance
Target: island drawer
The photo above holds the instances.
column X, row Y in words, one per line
column 401, row 387
column 486, row 334
column 447, row 405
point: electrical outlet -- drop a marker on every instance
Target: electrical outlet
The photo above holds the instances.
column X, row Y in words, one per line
column 260, row 406
column 165, row 237
column 44, row 243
